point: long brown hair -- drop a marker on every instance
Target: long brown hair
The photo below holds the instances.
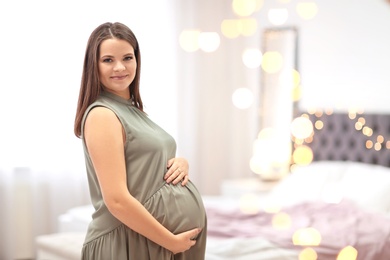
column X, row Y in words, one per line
column 91, row 86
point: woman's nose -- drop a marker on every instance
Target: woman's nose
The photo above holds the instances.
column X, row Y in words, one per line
column 119, row 67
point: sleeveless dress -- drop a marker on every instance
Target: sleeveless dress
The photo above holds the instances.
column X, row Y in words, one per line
column 179, row 208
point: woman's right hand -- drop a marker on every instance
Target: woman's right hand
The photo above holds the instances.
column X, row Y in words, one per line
column 185, row 240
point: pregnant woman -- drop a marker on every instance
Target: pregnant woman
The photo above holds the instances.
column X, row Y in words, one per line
column 145, row 205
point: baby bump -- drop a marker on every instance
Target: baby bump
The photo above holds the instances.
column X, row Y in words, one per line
column 178, row 208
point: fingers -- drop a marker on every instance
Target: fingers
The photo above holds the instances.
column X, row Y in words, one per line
column 184, row 180
column 177, row 171
column 170, row 162
column 176, row 176
column 186, row 240
column 195, row 232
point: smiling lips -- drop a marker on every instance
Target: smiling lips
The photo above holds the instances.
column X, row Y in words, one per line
column 119, row 77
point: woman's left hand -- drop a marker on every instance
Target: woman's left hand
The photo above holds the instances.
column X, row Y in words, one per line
column 177, row 171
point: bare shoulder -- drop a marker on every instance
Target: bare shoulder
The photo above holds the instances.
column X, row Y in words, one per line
column 101, row 113
column 102, row 119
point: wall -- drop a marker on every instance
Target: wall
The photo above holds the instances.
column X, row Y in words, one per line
column 345, row 56
column 215, row 136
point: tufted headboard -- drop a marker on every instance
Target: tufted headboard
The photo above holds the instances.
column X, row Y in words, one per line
column 344, row 139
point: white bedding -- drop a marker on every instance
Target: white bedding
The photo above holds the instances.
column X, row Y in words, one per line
column 365, row 185
column 247, row 249
column 332, row 181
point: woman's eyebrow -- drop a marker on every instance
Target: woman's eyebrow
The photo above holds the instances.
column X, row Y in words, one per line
column 106, row 56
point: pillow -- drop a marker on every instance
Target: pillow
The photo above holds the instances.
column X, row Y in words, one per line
column 306, row 183
column 331, row 181
column 368, row 186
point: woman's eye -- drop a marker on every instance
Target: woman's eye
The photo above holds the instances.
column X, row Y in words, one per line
column 107, row 60
column 128, row 58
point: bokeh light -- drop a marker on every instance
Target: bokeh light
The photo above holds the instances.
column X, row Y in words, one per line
column 252, row 58
column 301, row 127
column 259, row 4
column 272, row 62
column 329, row 111
column 362, row 120
column 266, row 133
column 309, row 139
column 209, row 41
column 367, row 131
column 319, row 113
column 303, row 155
column 307, row 237
column 347, row 253
column 249, row 203
column 351, row 114
column 307, row 10
column 271, row 207
column 290, row 77
column 247, row 26
column 319, row 124
column 188, row 40
column 230, row 28
column 281, row 220
column 308, row 254
column 271, row 154
column 278, row 16
column 296, row 93
column 244, row 7
column 242, row 98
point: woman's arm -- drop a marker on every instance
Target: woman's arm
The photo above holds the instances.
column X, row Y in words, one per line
column 104, row 136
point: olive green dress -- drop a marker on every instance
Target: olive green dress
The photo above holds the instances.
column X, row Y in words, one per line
column 179, row 208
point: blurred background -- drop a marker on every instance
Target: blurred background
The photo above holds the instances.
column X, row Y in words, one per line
column 206, row 79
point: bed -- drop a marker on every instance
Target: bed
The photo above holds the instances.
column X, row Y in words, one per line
column 337, row 207
column 324, row 209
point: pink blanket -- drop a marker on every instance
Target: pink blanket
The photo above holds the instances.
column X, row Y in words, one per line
column 340, row 225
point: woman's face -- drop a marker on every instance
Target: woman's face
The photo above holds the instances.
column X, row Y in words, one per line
column 117, row 66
